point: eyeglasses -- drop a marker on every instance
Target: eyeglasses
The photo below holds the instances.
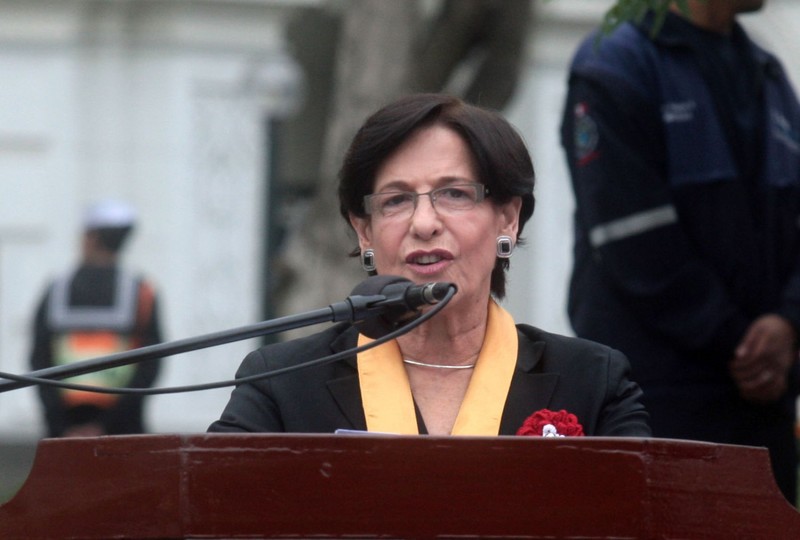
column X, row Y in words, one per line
column 447, row 200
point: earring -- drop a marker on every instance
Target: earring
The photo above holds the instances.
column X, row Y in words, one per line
column 368, row 260
column 504, row 246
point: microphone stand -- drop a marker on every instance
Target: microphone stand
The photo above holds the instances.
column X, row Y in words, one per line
column 355, row 308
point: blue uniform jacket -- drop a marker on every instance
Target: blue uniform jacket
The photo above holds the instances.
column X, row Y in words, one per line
column 675, row 252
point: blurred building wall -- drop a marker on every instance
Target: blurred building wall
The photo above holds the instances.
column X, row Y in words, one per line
column 164, row 103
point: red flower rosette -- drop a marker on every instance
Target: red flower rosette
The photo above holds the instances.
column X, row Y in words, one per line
column 547, row 423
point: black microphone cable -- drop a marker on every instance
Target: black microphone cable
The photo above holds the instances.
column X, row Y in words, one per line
column 251, row 378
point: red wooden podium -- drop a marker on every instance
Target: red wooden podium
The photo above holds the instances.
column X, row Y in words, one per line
column 354, row 486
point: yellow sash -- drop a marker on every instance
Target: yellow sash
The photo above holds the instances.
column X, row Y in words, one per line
column 386, row 392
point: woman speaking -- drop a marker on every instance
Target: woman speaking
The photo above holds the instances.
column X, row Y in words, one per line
column 438, row 190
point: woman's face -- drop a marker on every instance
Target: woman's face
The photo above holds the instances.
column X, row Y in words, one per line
column 431, row 244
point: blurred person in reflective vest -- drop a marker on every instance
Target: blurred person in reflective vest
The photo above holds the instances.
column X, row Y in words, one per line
column 96, row 309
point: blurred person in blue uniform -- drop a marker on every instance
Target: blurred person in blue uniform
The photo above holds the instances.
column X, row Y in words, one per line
column 684, row 152
column 96, row 309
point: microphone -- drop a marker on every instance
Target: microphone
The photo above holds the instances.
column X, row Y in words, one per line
column 378, row 306
column 384, row 303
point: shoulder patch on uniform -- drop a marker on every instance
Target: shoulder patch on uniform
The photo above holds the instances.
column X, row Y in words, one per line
column 585, row 134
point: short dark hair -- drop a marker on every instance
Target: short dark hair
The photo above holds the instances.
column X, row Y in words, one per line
column 112, row 238
column 503, row 162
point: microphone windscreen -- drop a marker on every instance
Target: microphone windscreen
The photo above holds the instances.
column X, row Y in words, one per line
column 375, row 284
column 377, row 326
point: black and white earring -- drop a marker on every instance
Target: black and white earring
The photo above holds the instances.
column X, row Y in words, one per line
column 368, row 260
column 504, row 246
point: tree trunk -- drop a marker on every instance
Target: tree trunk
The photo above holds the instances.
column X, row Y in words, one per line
column 373, row 60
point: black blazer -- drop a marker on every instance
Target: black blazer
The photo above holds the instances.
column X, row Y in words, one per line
column 553, row 372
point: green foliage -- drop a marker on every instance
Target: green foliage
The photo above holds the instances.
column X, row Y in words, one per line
column 634, row 10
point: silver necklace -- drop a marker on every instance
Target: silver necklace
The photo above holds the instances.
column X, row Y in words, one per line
column 437, row 366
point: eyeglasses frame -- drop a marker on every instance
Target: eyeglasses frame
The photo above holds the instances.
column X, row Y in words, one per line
column 480, row 196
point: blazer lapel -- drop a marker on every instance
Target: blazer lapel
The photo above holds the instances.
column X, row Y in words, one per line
column 344, row 388
column 347, row 394
column 530, row 391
